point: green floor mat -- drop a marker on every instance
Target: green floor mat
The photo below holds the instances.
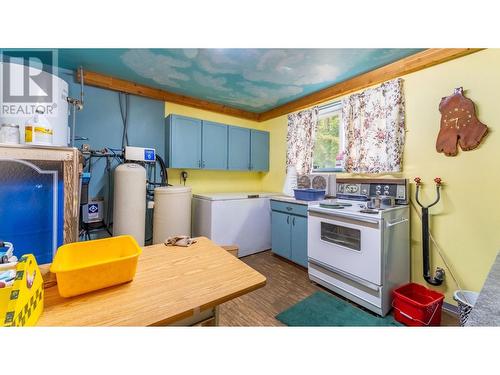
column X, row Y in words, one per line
column 325, row 310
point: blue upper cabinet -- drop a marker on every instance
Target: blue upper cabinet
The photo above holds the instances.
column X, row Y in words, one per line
column 214, row 145
column 183, row 142
column 239, row 148
column 192, row 143
column 259, row 150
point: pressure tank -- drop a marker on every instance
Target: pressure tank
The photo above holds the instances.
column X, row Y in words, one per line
column 18, row 112
column 172, row 212
column 129, row 209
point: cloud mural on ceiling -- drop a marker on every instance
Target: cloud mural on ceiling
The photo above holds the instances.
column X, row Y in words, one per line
column 160, row 68
column 215, row 83
column 255, row 96
column 250, row 79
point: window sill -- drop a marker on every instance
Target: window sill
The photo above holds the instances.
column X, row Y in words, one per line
column 328, row 170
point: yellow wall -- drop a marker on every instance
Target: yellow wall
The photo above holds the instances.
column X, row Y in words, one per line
column 274, row 179
column 215, row 181
column 466, row 223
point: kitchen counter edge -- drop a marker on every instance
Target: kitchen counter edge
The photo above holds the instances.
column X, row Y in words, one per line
column 486, row 311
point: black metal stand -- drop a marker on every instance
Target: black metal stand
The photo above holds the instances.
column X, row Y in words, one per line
column 438, row 277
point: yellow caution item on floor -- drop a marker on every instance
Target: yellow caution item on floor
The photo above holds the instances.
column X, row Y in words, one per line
column 82, row 267
column 22, row 303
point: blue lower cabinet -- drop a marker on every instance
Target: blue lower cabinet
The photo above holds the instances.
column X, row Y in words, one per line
column 299, row 240
column 280, row 234
column 289, row 236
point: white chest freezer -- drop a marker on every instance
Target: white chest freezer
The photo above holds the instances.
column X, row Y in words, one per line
column 242, row 219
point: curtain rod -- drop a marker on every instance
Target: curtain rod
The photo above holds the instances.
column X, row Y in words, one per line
column 337, row 103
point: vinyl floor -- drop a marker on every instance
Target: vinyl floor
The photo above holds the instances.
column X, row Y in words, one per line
column 287, row 284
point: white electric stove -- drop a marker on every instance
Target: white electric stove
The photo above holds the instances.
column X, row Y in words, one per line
column 361, row 253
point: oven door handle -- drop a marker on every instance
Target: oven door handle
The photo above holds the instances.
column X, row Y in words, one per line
column 394, row 223
column 335, row 240
column 345, row 274
column 330, row 216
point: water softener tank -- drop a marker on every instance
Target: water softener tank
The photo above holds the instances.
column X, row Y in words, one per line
column 172, row 212
column 129, row 208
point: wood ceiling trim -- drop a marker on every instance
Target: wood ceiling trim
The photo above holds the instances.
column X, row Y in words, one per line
column 121, row 85
column 410, row 64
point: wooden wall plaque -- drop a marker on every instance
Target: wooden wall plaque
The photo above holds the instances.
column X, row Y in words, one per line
column 459, row 124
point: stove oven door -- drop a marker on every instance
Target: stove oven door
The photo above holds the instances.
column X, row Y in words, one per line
column 348, row 246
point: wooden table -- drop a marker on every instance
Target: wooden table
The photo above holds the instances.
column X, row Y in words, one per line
column 172, row 285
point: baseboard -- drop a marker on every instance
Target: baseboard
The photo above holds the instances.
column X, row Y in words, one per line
column 452, row 309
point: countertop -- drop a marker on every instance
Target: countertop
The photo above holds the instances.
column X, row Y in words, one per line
column 486, row 311
column 172, row 283
column 235, row 195
column 285, row 198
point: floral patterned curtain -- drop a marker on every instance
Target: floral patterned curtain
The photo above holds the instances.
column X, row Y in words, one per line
column 300, row 140
column 374, row 125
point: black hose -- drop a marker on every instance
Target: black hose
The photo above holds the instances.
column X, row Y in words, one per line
column 124, row 113
column 90, row 163
column 163, row 171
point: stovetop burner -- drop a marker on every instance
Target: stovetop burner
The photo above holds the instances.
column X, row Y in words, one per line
column 334, row 205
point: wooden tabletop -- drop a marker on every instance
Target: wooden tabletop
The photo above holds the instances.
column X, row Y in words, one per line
column 171, row 283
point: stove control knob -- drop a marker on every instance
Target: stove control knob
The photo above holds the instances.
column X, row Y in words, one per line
column 386, row 192
column 386, row 187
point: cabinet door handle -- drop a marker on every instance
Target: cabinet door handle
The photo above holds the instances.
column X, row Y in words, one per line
column 289, row 208
column 288, row 219
column 293, row 221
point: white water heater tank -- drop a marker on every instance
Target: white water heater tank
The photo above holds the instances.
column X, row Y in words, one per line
column 19, row 111
column 129, row 208
column 172, row 212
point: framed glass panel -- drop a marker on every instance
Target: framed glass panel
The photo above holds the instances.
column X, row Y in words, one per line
column 343, row 236
column 29, row 208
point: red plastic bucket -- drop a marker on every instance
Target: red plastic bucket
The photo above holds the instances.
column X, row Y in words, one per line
column 415, row 305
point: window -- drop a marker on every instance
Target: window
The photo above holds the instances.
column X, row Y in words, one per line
column 329, row 142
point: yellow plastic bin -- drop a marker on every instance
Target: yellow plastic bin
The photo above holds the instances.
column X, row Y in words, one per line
column 82, row 267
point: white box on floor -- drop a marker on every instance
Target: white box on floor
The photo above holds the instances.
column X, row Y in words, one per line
column 242, row 219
